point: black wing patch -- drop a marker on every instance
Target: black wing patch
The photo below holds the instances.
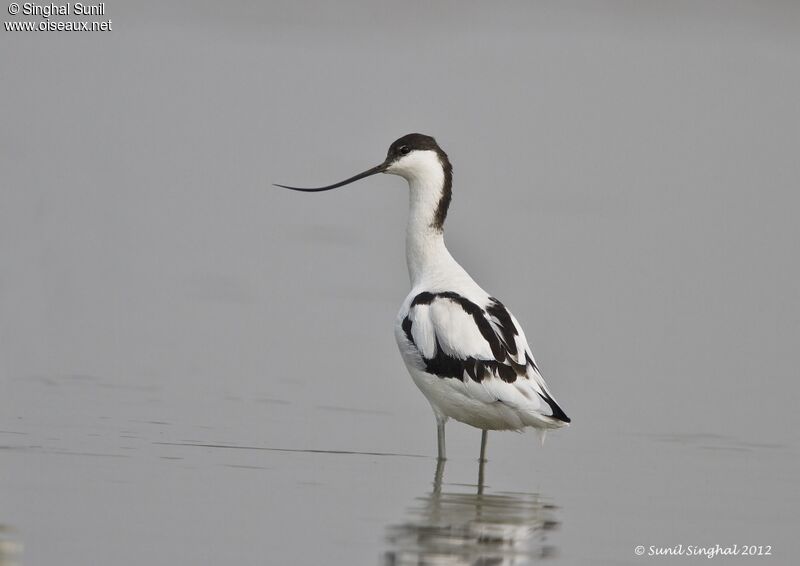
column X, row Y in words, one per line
column 496, row 327
column 558, row 413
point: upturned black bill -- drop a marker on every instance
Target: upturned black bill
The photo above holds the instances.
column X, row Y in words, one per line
column 378, row 169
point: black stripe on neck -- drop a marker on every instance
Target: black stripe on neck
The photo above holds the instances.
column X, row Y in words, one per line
column 447, row 192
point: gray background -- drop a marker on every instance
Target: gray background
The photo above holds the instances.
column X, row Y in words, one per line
column 626, row 180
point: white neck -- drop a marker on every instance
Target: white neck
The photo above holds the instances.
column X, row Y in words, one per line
column 429, row 262
column 426, row 255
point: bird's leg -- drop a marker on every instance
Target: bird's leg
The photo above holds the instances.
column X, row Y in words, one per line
column 482, row 460
column 440, row 438
column 437, row 477
column 481, row 466
column 484, row 436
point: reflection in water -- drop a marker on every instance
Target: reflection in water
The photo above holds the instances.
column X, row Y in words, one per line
column 473, row 528
column 9, row 548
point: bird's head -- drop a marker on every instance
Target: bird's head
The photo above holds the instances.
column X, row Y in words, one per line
column 418, row 159
column 413, row 157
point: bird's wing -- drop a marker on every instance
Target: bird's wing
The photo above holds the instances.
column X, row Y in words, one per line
column 482, row 347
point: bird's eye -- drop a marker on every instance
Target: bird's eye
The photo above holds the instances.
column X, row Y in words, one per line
column 404, row 149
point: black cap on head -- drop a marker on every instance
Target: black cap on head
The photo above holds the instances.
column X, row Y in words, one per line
column 411, row 142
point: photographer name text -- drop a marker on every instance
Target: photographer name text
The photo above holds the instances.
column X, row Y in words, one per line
column 66, row 9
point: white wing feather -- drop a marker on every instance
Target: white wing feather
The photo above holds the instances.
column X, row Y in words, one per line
column 442, row 323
